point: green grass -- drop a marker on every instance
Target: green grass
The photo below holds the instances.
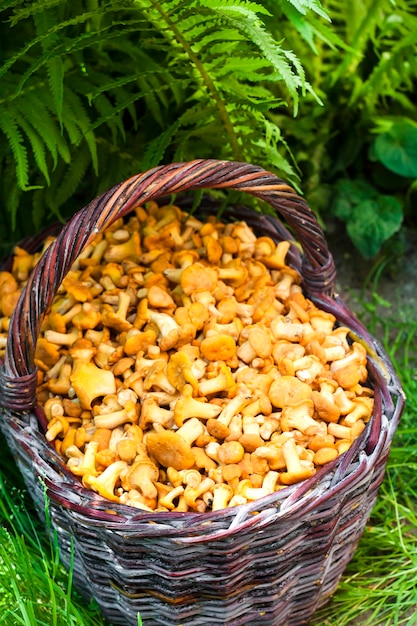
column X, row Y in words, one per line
column 379, row 587
column 35, row 589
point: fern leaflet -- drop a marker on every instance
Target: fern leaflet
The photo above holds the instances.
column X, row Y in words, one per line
column 10, row 128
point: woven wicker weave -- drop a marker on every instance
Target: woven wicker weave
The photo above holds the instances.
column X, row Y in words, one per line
column 273, row 561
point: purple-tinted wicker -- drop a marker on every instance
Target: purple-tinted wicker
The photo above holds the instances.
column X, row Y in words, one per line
column 271, row 562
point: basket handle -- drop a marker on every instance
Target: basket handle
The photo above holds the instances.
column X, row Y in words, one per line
column 18, row 375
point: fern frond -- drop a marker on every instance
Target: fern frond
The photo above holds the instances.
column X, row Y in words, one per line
column 259, row 99
column 154, row 97
column 55, row 71
column 250, row 69
column 396, row 68
column 45, row 21
column 70, row 180
column 38, row 147
column 304, row 6
column 55, row 51
column 274, row 138
column 156, row 148
column 145, row 80
column 14, row 136
column 284, row 62
column 78, row 125
column 219, row 38
column 117, row 163
column 23, row 52
column 58, row 45
column 104, row 108
column 33, row 107
column 124, row 100
column 389, row 31
column 148, row 70
column 385, row 80
column 33, row 10
column 310, row 28
column 362, row 33
column 11, row 197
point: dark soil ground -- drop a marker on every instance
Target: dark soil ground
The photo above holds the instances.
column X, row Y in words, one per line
column 358, row 280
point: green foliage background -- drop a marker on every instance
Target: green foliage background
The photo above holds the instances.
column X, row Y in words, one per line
column 93, row 91
column 323, row 94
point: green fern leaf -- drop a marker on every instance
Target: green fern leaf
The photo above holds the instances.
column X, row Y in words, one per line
column 55, row 70
column 123, row 103
column 259, row 98
column 38, row 147
column 65, row 187
column 39, row 209
column 113, row 84
column 219, row 37
column 102, row 102
column 26, row 51
column 64, row 46
column 116, row 164
column 10, row 128
column 153, row 99
column 78, row 125
column 150, row 71
column 229, row 76
column 196, row 77
column 273, row 138
column 385, row 79
column 125, row 99
column 361, row 34
column 244, row 8
column 34, row 107
column 253, row 69
column 156, row 148
column 11, row 196
column 45, row 22
column 284, row 62
column 304, row 6
column 310, row 29
column 104, row 108
column 35, row 8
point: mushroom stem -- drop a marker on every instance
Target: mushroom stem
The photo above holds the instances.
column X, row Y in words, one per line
column 295, row 470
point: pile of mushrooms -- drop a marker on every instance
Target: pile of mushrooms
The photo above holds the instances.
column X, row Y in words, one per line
column 181, row 368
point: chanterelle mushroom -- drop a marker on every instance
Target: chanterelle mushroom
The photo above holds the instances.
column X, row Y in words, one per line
column 142, row 475
column 186, row 407
column 169, row 449
column 288, row 390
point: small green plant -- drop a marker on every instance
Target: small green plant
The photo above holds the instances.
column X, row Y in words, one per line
column 371, row 217
column 396, row 146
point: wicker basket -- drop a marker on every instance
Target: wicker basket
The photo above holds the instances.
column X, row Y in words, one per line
column 273, row 561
